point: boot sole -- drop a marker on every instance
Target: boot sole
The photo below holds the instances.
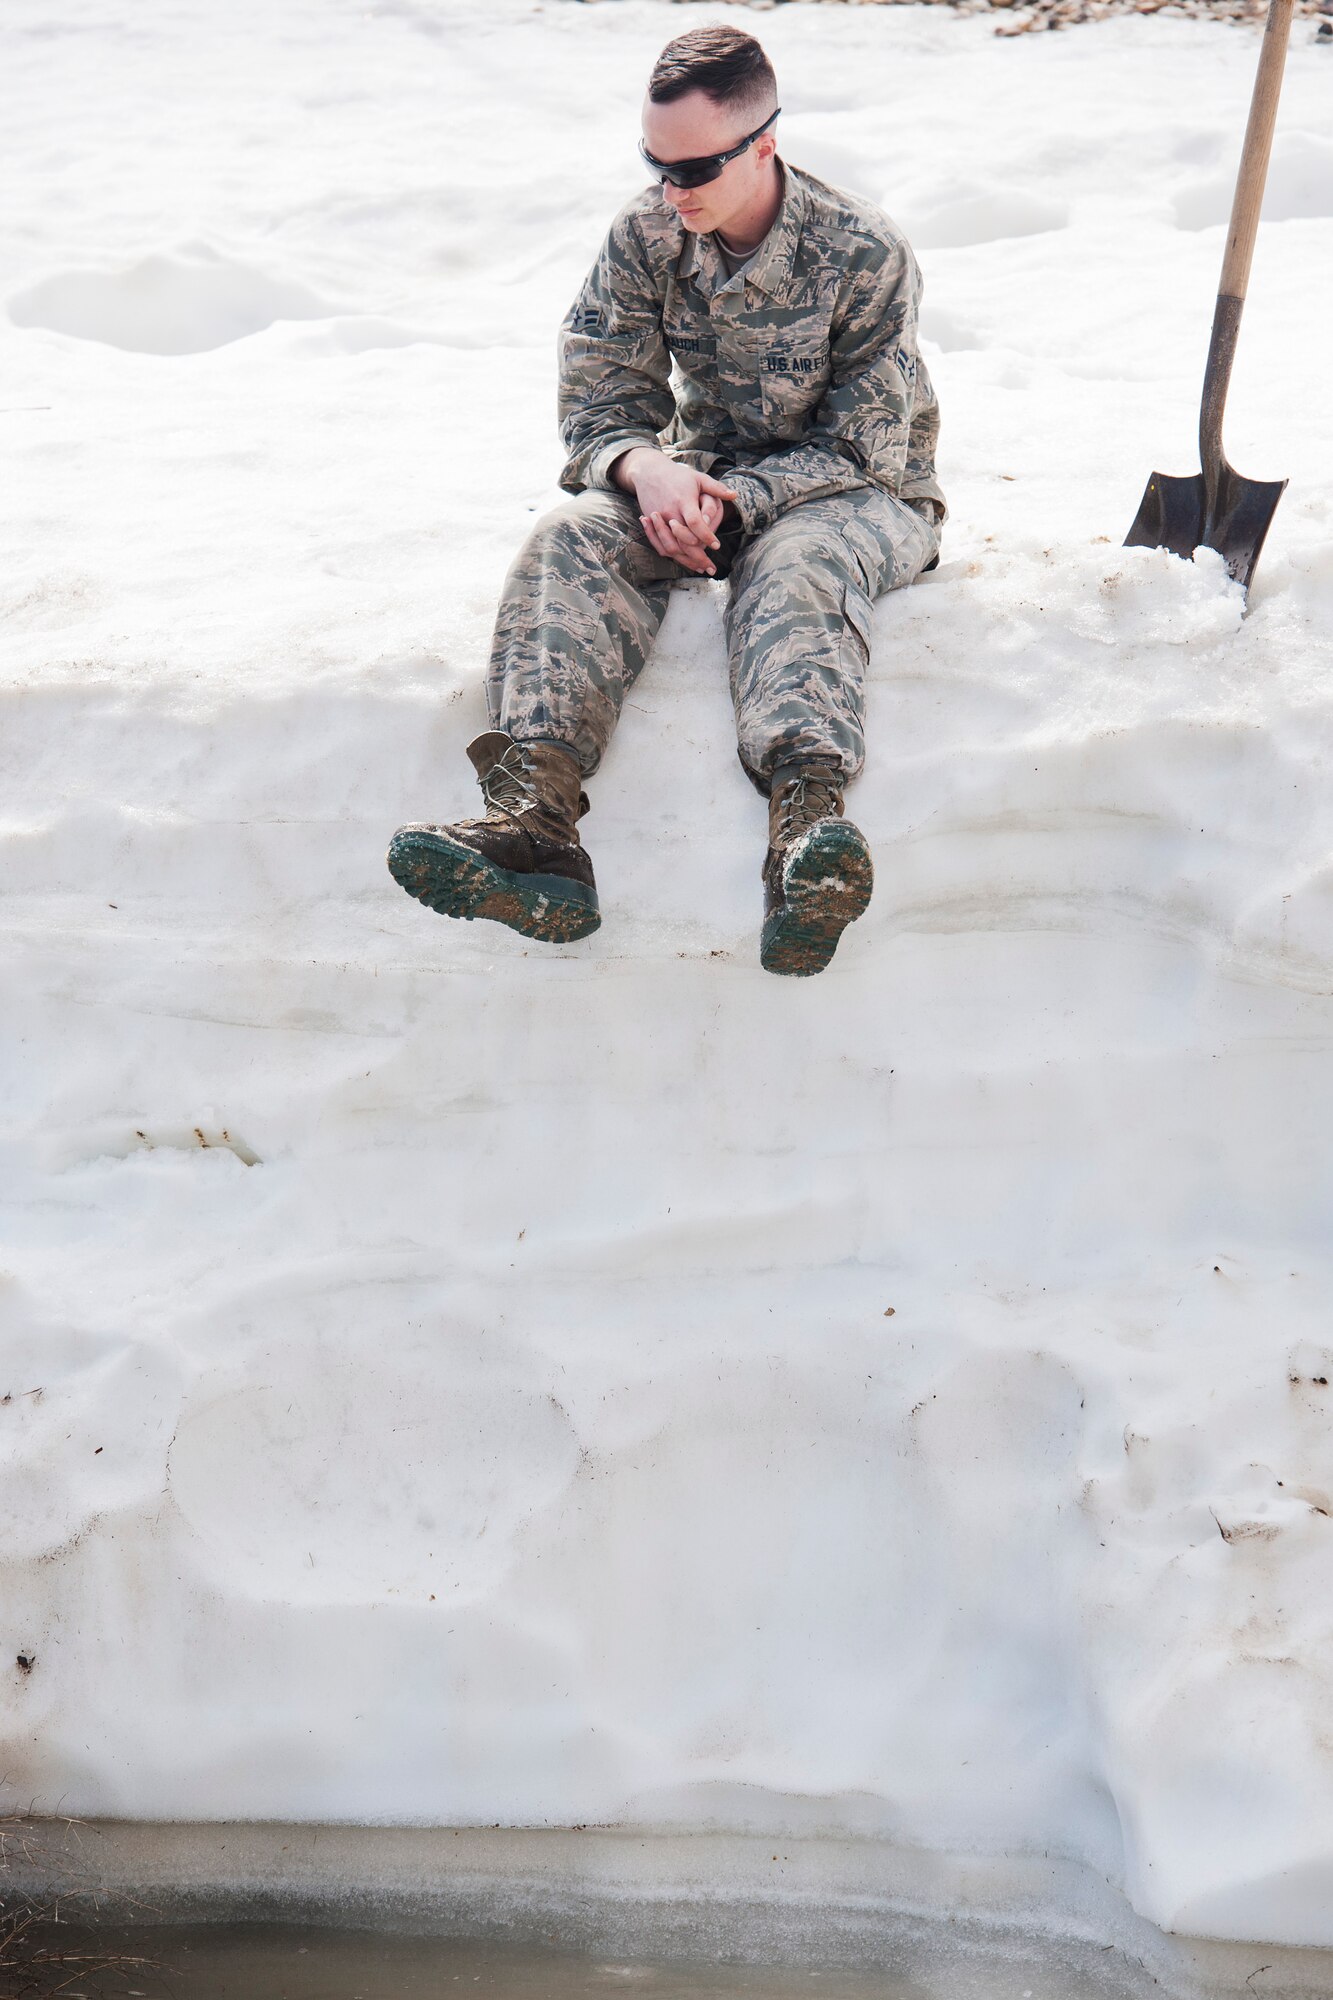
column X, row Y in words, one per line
column 826, row 884
column 452, row 878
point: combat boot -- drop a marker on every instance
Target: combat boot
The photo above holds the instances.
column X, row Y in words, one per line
column 817, row 872
column 522, row 864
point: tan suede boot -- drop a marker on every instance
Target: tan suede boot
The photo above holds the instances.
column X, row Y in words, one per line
column 817, row 872
column 522, row 865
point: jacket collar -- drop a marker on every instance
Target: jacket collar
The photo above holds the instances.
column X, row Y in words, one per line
column 772, row 266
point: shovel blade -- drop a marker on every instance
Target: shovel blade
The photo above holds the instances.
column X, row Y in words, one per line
column 1175, row 514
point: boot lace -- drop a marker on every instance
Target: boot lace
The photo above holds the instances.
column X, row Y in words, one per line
column 812, row 797
column 508, row 785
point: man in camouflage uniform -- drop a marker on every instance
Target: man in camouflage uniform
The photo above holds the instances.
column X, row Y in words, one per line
column 740, row 395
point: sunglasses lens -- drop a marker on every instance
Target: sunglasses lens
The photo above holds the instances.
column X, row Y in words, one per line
column 695, row 176
column 685, row 173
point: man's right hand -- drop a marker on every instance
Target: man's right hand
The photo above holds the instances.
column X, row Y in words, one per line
column 679, row 508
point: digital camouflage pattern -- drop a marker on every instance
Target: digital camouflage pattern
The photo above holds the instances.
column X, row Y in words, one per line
column 801, row 372
column 587, row 592
column 799, row 381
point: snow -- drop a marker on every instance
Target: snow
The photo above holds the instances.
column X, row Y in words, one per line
column 454, row 1382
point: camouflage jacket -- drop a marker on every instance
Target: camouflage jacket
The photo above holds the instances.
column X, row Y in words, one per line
column 801, row 372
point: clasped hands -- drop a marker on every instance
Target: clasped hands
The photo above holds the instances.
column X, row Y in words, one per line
column 680, row 510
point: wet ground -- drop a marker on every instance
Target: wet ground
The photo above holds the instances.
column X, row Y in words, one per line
column 228, row 1961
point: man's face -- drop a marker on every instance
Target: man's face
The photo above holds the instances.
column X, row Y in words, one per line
column 694, row 125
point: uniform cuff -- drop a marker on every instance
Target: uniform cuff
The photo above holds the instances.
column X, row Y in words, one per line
column 749, row 503
column 605, row 456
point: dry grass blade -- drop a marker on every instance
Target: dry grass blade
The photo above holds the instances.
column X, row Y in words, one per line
column 33, row 1964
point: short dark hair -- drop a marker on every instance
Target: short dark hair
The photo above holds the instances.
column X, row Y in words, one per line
column 725, row 63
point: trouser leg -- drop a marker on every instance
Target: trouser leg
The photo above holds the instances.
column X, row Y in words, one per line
column 798, row 626
column 578, row 615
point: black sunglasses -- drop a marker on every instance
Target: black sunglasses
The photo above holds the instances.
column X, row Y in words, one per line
column 694, row 173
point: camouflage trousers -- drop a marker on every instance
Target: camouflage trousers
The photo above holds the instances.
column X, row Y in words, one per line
column 585, row 596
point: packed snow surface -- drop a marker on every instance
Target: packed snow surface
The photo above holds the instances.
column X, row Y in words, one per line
column 457, row 1381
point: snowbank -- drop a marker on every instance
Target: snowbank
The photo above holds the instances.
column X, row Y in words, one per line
column 455, row 1383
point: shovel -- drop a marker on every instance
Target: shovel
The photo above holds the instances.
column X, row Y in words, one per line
column 1217, row 509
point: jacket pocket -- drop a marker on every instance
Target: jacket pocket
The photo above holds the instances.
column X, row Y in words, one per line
column 793, row 376
column 857, row 611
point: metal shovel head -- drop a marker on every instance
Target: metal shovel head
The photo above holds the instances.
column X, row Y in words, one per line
column 1175, row 515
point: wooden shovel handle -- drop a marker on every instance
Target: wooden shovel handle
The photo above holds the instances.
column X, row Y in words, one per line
column 1254, row 154
column 1240, row 241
